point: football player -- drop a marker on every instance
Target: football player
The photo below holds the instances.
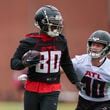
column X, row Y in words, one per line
column 94, row 72
column 43, row 53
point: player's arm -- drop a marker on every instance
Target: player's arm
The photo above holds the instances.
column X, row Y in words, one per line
column 68, row 68
column 16, row 61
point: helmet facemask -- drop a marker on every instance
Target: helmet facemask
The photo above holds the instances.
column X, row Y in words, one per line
column 54, row 30
column 95, row 54
column 52, row 25
column 101, row 54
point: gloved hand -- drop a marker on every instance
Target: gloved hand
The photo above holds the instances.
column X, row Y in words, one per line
column 32, row 57
column 79, row 85
column 22, row 77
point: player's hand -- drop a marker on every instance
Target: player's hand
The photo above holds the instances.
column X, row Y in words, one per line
column 22, row 77
column 32, row 57
column 79, row 85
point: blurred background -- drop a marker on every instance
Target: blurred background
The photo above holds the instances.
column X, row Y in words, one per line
column 81, row 18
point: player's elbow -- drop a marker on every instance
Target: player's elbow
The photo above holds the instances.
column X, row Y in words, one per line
column 16, row 64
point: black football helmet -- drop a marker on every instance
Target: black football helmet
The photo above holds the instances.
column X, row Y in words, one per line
column 49, row 20
column 102, row 37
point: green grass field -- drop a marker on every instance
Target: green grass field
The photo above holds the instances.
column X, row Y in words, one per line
column 19, row 106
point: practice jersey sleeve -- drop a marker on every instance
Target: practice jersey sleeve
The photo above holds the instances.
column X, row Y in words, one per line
column 67, row 66
column 74, row 62
column 25, row 45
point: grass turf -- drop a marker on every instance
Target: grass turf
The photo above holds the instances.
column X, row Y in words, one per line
column 19, row 106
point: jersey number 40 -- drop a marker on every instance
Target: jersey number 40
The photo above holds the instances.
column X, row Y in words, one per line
column 93, row 87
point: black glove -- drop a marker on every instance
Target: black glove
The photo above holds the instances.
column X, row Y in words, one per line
column 79, row 85
column 32, row 57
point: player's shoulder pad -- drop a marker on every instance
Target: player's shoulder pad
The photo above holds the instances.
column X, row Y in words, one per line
column 29, row 38
column 107, row 62
column 80, row 58
column 61, row 38
column 32, row 35
column 105, row 65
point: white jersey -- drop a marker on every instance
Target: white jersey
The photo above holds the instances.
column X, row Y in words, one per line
column 96, row 79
